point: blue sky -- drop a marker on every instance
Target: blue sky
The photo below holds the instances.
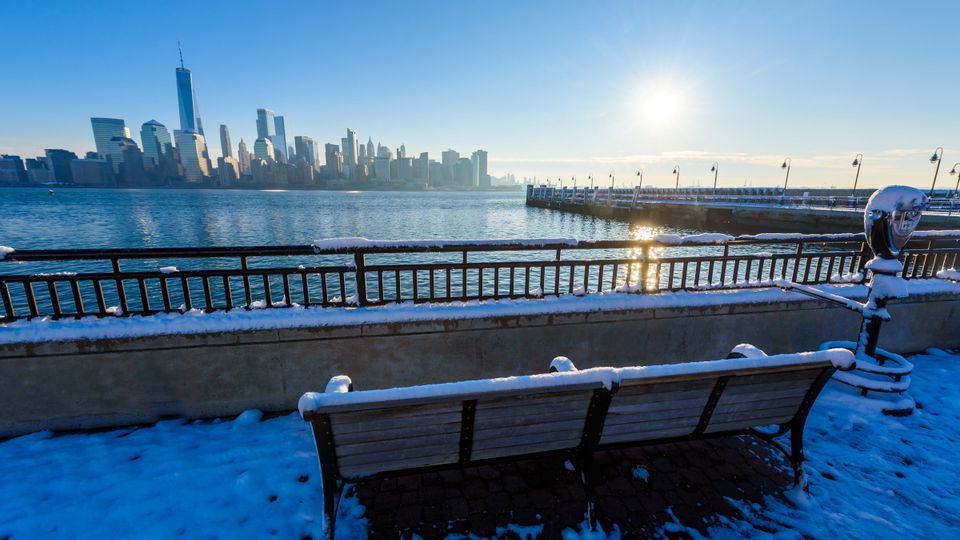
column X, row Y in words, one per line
column 549, row 89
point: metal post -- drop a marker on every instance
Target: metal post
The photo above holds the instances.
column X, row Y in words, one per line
column 936, row 158
column 857, row 162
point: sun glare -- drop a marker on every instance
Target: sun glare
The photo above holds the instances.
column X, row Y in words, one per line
column 660, row 104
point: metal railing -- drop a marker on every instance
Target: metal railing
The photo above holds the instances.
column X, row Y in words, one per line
column 630, row 197
column 118, row 282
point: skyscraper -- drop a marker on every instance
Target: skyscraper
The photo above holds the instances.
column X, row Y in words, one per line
column 482, row 178
column 263, row 149
column 189, row 114
column 265, row 124
column 226, row 147
column 334, row 160
column 350, row 148
column 280, row 139
column 243, row 156
column 193, row 155
column 105, row 129
column 371, row 152
column 305, row 148
column 155, row 139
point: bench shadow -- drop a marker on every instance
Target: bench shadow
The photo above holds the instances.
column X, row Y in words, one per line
column 638, row 490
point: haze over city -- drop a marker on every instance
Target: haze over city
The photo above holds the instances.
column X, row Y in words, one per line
column 553, row 92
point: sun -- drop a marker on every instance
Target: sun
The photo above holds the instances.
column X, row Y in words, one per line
column 660, row 104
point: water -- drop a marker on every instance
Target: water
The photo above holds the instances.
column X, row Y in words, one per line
column 107, row 218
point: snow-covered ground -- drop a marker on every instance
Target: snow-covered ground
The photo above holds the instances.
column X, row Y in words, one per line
column 869, row 476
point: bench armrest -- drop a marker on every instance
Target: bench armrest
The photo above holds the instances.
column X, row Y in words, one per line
column 339, row 384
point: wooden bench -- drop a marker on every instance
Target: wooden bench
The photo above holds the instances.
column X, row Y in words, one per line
column 567, row 411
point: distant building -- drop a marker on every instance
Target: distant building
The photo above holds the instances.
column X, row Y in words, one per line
column 480, row 177
column 306, row 148
column 193, row 155
column 334, row 161
column 381, row 168
column 371, row 152
column 155, row 139
column 105, row 129
column 279, row 140
column 228, row 171
column 226, row 147
column 463, row 173
column 92, row 172
column 59, row 163
column 421, row 168
column 132, row 172
column 449, row 159
column 265, row 124
column 263, row 149
column 38, row 171
column 12, row 170
column 243, row 157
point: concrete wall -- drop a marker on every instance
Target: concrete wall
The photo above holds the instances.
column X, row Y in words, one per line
column 89, row 384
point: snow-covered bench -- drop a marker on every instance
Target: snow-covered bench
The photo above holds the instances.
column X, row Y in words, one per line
column 436, row 426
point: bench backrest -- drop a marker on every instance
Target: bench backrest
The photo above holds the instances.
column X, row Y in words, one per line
column 369, row 432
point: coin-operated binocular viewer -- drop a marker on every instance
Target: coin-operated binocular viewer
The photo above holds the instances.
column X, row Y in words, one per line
column 891, row 216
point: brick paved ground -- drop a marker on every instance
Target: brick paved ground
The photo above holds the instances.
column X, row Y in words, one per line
column 690, row 480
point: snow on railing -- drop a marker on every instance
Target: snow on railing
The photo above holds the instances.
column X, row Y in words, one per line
column 348, row 272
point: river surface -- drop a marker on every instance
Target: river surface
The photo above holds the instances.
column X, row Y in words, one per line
column 109, row 218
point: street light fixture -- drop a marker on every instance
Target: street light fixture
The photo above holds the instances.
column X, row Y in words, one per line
column 786, row 165
column 857, row 162
column 676, row 171
column 612, row 180
column 715, row 170
column 591, row 180
column 937, row 157
column 953, row 171
column 640, row 174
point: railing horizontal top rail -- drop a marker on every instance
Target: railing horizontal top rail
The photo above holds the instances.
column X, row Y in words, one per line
column 371, row 247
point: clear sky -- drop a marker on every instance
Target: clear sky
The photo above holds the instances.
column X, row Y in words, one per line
column 548, row 88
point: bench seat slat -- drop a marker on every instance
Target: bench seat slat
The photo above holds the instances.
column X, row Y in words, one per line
column 522, row 449
column 383, row 464
column 751, row 418
column 345, row 424
column 664, row 433
column 423, row 441
column 629, row 408
column 480, row 436
column 486, row 421
column 414, row 429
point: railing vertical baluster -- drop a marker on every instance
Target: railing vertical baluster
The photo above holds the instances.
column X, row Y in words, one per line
column 629, row 276
column 670, row 286
column 746, row 271
column 343, row 287
column 7, row 300
column 526, row 281
column 144, row 299
column 380, row 286
column 120, row 292
column 600, row 278
column 463, row 277
column 165, row 292
column 556, row 275
column 796, row 264
column 830, row 268
column 773, row 267
column 287, row 299
column 449, row 295
column 433, row 287
column 267, row 293
column 31, row 299
column 645, row 270
column 207, row 296
column 228, row 293
column 736, row 271
column 710, row 266
column 806, row 270
column 510, row 294
column 396, row 282
column 543, row 276
column 98, row 293
column 77, row 297
column 361, row 277
column 480, row 283
column 246, row 280
column 416, row 286
column 586, row 278
column 325, row 292
column 613, row 278
column 185, row 287
column 54, row 298
column 723, row 264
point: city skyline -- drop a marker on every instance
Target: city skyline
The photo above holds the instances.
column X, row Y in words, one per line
column 546, row 93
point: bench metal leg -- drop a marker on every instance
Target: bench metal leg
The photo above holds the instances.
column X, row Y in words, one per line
column 331, row 498
column 796, row 452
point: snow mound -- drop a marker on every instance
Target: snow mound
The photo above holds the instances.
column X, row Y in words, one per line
column 4, row 251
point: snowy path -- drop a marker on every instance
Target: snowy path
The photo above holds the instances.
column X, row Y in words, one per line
column 870, row 477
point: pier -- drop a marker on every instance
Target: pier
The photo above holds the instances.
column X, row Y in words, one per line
column 734, row 209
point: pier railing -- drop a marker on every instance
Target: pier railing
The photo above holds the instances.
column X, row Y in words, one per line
column 948, row 202
column 357, row 272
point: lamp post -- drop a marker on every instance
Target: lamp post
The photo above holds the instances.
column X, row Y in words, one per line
column 953, row 171
column 591, row 180
column 715, row 170
column 786, row 165
column 937, row 157
column 640, row 174
column 612, row 180
column 676, row 171
column 857, row 162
